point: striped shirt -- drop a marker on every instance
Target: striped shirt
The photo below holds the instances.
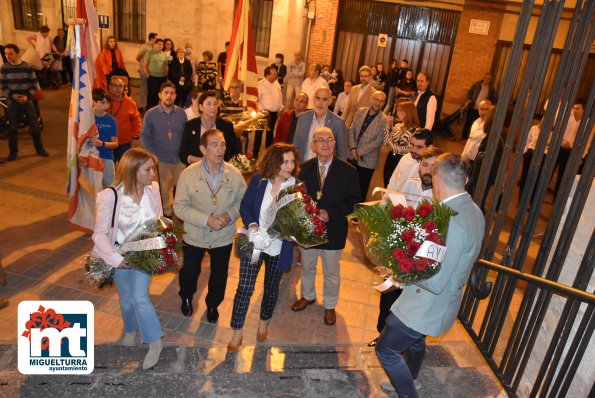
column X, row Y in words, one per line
column 17, row 79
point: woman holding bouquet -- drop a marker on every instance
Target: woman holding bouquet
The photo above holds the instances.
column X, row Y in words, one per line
column 276, row 170
column 119, row 211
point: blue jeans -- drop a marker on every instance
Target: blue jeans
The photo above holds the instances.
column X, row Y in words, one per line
column 395, row 339
column 135, row 304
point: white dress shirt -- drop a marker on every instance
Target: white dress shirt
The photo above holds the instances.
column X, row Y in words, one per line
column 269, row 96
column 340, row 103
column 430, row 109
column 315, row 124
column 414, row 192
column 571, row 129
column 405, row 170
column 267, row 200
column 533, row 137
column 475, row 136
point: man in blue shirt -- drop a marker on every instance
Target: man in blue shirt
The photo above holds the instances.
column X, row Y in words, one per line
column 163, row 127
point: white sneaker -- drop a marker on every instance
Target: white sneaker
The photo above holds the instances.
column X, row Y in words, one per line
column 153, row 355
column 128, row 340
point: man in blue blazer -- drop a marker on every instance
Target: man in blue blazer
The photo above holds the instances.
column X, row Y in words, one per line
column 333, row 183
column 320, row 116
column 430, row 307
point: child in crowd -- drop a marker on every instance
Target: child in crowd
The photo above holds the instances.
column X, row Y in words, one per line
column 107, row 139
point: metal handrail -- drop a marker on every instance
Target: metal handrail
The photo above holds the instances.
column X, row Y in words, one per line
column 556, row 287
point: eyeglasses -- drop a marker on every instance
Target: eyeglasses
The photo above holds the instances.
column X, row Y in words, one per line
column 323, row 140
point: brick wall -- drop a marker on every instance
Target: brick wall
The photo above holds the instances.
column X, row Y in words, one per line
column 322, row 36
column 472, row 55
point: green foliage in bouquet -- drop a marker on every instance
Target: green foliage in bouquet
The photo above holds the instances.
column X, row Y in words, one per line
column 243, row 163
column 393, row 234
column 297, row 221
column 157, row 261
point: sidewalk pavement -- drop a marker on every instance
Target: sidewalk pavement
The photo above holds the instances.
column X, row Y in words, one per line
column 43, row 259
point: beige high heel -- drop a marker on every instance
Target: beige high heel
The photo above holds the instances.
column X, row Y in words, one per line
column 262, row 336
column 235, row 347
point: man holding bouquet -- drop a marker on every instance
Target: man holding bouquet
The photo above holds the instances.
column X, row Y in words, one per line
column 333, row 183
column 430, row 307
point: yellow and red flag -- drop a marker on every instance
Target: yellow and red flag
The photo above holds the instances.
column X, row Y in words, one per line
column 241, row 58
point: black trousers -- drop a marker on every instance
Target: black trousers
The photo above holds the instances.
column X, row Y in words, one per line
column 561, row 162
column 191, row 270
column 390, row 165
column 472, row 115
column 14, row 112
column 386, row 301
column 269, row 138
column 365, row 178
column 153, row 84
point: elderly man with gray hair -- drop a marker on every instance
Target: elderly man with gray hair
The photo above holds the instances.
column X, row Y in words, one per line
column 334, row 185
column 430, row 307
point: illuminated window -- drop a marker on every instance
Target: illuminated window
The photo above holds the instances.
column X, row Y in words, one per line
column 27, row 14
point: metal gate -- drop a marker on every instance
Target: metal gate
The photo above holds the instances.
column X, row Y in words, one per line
column 424, row 36
column 535, row 327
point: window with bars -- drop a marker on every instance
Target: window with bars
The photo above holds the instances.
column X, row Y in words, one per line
column 130, row 20
column 262, row 16
column 27, row 14
column 68, row 10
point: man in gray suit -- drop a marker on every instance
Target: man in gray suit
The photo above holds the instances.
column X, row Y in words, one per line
column 430, row 307
column 365, row 137
column 320, row 116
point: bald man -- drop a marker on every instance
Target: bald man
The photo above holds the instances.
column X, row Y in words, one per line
column 365, row 137
column 320, row 116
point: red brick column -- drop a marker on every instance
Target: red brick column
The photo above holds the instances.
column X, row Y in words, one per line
column 473, row 53
column 322, row 34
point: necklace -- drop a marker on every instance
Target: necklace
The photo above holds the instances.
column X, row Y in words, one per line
column 168, row 122
column 213, row 191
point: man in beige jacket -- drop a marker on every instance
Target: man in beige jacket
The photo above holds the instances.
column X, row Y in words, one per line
column 360, row 95
column 208, row 197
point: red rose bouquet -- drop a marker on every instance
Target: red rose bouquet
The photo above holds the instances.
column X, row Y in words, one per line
column 407, row 242
column 151, row 248
column 295, row 217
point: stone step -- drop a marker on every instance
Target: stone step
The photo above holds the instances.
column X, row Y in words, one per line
column 255, row 371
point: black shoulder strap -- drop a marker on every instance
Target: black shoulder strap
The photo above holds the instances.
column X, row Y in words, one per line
column 115, row 205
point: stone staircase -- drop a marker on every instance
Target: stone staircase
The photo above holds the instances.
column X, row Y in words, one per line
column 256, row 371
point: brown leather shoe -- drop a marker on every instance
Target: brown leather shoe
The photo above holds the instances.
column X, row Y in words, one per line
column 330, row 317
column 301, row 304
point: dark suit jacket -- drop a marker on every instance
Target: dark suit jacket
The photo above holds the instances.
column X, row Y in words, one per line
column 332, row 121
column 176, row 70
column 250, row 213
column 339, row 195
column 191, row 139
